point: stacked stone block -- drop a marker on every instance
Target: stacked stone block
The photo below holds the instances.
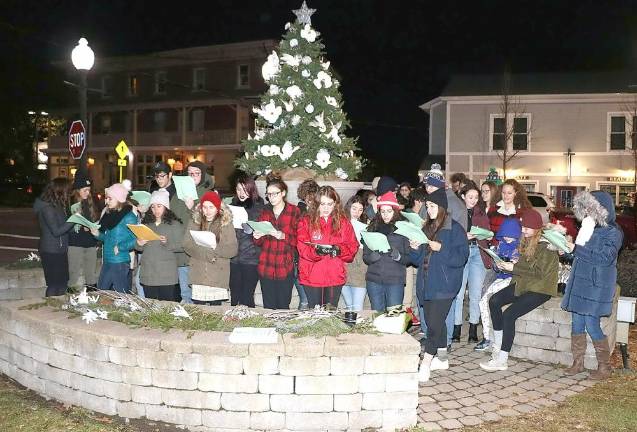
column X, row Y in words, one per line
column 21, row 284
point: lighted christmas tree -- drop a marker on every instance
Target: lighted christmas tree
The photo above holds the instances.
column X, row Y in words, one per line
column 300, row 123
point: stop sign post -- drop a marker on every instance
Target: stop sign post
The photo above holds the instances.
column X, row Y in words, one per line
column 77, row 139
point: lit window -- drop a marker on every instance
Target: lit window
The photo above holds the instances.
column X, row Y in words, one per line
column 133, row 85
column 243, row 78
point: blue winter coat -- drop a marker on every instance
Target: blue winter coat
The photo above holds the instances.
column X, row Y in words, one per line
column 120, row 236
column 591, row 286
column 443, row 277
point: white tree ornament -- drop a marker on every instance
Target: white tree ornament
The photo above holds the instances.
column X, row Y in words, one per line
column 319, row 123
column 270, row 112
column 308, row 33
column 294, row 91
column 323, row 158
column 271, row 67
column 291, row 60
column 340, row 173
column 287, row 150
column 294, row 43
column 331, row 101
column 309, row 109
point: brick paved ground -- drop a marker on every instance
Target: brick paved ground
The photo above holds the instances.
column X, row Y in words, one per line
column 465, row 395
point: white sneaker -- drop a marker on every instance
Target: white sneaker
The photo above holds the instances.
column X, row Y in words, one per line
column 437, row 364
column 494, row 364
column 424, row 373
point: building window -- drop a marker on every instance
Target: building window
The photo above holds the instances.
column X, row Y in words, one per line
column 243, row 76
column 107, row 87
column 617, row 132
column 160, row 83
column 198, row 117
column 133, row 85
column 512, row 132
column 105, row 124
column 144, row 168
column 198, row 79
column 619, row 192
column 529, row 187
column 159, row 121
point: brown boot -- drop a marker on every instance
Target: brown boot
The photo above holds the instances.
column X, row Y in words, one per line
column 578, row 348
column 602, row 351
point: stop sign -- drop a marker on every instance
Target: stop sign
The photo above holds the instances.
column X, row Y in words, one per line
column 77, row 139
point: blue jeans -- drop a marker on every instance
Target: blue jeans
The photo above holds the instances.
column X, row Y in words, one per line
column 299, row 287
column 184, row 287
column 382, row 296
column 138, row 284
column 472, row 277
column 114, row 275
column 354, row 297
column 586, row 323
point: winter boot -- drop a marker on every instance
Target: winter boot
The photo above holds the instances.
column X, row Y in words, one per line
column 602, row 351
column 473, row 333
column 578, row 348
column 456, row 333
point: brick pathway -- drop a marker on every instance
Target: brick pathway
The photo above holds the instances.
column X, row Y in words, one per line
column 465, row 395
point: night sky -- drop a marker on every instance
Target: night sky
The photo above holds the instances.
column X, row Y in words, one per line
column 392, row 55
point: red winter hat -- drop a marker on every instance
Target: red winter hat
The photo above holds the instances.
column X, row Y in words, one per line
column 388, row 199
column 530, row 218
column 212, row 197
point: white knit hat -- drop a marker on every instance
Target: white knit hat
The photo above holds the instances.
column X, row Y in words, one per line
column 160, row 197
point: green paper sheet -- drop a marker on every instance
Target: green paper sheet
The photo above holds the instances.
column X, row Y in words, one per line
column 492, row 254
column 264, row 227
column 186, row 188
column 556, row 238
column 413, row 218
column 481, row 233
column 358, row 228
column 81, row 220
column 76, row 208
column 142, row 197
column 411, row 231
column 227, row 200
column 376, row 241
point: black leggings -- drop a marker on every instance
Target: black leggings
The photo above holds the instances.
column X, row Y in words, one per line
column 243, row 281
column 436, row 312
column 163, row 292
column 277, row 294
column 520, row 305
column 56, row 272
column 322, row 296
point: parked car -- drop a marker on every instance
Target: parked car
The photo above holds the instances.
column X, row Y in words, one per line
column 625, row 219
column 542, row 203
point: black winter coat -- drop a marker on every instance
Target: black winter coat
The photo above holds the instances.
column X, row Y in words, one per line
column 54, row 229
column 248, row 252
column 381, row 267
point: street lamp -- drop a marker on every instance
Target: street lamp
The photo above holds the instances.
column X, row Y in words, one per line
column 83, row 58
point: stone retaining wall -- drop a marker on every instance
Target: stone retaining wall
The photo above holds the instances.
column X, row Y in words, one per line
column 204, row 382
column 544, row 335
column 21, row 284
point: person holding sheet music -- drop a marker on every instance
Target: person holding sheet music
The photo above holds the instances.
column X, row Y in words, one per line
column 243, row 266
column 159, row 272
column 209, row 267
column 386, row 270
column 326, row 243
column 440, row 266
column 276, row 260
column 354, row 290
column 117, row 240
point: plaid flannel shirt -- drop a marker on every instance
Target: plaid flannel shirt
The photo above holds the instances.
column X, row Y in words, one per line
column 276, row 260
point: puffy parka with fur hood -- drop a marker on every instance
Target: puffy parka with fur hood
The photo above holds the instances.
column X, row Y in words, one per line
column 591, row 286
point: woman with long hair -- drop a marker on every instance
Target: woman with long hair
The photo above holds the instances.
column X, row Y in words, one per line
column 82, row 245
column 52, row 210
column 489, row 195
column 159, row 272
column 326, row 243
column 209, row 267
column 306, row 192
column 354, row 290
column 276, row 260
column 243, row 267
column 476, row 266
column 593, row 280
column 513, row 200
column 117, row 240
column 534, row 283
column 440, row 266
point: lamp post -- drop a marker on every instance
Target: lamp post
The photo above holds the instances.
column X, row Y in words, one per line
column 83, row 58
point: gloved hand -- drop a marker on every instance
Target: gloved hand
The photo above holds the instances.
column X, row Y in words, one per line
column 336, row 251
column 394, row 254
column 586, row 231
column 247, row 229
column 323, row 250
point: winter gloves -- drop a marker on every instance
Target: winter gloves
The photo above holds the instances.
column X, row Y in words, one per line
column 324, row 250
column 586, row 231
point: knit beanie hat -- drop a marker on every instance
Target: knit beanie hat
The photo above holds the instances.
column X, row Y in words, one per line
column 531, row 219
column 198, row 164
column 160, row 196
column 386, row 184
column 81, row 180
column 213, row 197
column 388, row 199
column 435, row 177
column 438, row 197
column 510, row 227
column 118, row 192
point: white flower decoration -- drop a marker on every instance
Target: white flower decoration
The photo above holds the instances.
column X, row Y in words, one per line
column 309, row 109
column 289, row 106
column 270, row 150
column 325, row 65
column 287, row 25
column 327, row 80
column 323, row 158
column 294, row 42
column 271, row 67
column 294, row 91
column 259, row 134
column 102, row 314
column 331, row 101
column 89, row 316
column 291, row 60
column 270, row 112
column 319, row 123
column 306, row 60
column 340, row 173
column 305, row 73
column 308, row 33
column 267, row 171
column 93, row 299
column 274, row 90
column 295, row 165
column 296, row 119
column 180, row 312
column 287, row 150
column 334, row 136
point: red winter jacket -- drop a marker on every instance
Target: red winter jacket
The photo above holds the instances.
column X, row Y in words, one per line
column 324, row 271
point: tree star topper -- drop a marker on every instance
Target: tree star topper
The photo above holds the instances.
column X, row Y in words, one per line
column 304, row 14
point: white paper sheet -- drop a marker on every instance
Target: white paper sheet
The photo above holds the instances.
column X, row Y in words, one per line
column 204, row 238
column 239, row 216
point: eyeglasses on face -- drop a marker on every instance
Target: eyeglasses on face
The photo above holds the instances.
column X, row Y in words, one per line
column 272, row 194
column 161, row 176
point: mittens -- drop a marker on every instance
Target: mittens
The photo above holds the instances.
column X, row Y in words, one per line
column 586, row 231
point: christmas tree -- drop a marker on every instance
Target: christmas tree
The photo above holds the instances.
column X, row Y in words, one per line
column 300, row 123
